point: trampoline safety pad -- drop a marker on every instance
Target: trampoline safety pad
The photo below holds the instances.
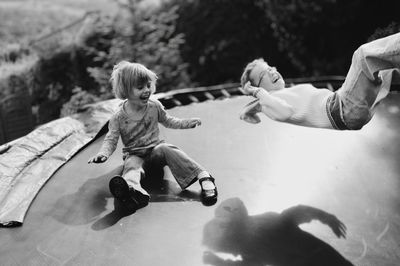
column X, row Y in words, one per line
column 285, row 195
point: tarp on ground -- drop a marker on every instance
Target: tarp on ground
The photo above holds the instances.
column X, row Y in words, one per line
column 27, row 163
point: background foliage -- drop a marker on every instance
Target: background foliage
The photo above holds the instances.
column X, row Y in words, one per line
column 320, row 36
column 300, row 37
column 140, row 35
column 222, row 35
column 187, row 43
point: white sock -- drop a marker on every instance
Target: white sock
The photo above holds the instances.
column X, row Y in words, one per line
column 203, row 174
column 207, row 184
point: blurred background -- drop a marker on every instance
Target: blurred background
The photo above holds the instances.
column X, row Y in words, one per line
column 57, row 55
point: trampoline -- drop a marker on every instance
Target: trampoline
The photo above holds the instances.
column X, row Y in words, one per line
column 271, row 177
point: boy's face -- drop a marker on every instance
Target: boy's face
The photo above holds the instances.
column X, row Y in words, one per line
column 266, row 77
column 140, row 94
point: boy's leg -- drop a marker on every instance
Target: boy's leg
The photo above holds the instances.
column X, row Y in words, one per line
column 374, row 67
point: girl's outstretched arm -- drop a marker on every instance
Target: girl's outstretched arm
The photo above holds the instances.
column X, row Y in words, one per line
column 109, row 143
column 170, row 121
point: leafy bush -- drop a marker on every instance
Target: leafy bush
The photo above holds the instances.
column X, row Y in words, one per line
column 390, row 29
column 137, row 35
column 79, row 99
column 222, row 36
column 15, row 77
column 13, row 52
column 52, row 81
column 319, row 36
column 300, row 37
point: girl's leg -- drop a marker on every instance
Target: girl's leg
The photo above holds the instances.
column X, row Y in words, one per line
column 132, row 174
column 183, row 168
column 154, row 172
column 375, row 66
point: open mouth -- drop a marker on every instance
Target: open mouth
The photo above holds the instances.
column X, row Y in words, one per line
column 145, row 97
column 275, row 78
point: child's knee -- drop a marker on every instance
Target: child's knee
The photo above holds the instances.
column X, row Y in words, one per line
column 357, row 120
column 162, row 148
column 132, row 171
column 359, row 55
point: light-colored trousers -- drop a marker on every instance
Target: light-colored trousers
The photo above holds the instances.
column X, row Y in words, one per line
column 375, row 66
column 183, row 168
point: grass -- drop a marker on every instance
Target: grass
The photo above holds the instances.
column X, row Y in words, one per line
column 22, row 21
column 102, row 5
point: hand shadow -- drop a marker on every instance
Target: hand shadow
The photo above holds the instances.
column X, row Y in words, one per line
column 269, row 238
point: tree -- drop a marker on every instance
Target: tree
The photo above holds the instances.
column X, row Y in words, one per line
column 147, row 37
column 222, row 36
column 320, row 35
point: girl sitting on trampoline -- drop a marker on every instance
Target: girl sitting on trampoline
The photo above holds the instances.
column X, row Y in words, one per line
column 375, row 66
column 137, row 123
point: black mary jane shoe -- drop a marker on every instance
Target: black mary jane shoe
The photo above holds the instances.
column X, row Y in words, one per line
column 208, row 196
column 142, row 199
column 120, row 189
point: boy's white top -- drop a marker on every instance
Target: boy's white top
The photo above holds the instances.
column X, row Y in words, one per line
column 142, row 133
column 307, row 105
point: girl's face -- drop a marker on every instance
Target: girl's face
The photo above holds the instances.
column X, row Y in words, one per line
column 140, row 95
column 266, row 77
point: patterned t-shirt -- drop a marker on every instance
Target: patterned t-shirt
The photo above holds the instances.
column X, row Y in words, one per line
column 141, row 134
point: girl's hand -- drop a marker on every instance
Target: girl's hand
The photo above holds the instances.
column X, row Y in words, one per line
column 194, row 122
column 98, row 159
column 248, row 89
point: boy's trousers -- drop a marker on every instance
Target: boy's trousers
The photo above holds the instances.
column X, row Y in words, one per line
column 375, row 66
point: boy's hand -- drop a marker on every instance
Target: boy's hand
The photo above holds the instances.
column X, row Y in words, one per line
column 248, row 89
column 194, row 122
column 98, row 159
column 249, row 112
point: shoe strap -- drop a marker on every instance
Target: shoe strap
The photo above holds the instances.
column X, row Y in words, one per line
column 209, row 178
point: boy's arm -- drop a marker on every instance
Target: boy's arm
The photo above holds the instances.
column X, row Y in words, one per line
column 170, row 121
column 250, row 112
column 273, row 107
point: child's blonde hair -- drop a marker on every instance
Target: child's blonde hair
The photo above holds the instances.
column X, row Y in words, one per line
column 247, row 70
column 126, row 76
